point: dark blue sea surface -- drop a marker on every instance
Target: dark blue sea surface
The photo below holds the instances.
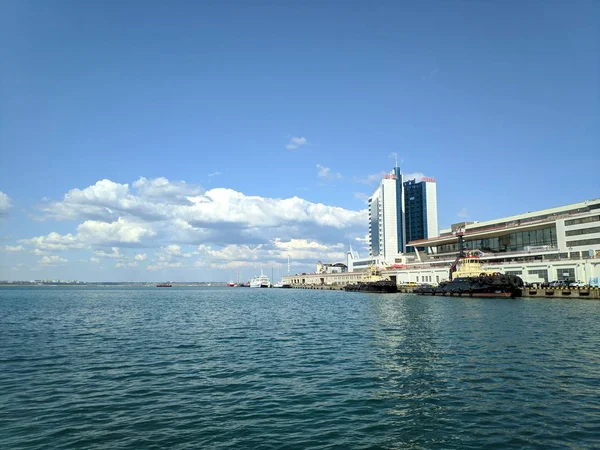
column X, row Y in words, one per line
column 235, row 368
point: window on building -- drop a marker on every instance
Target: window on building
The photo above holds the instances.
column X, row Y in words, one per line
column 565, row 274
column 583, row 242
column 583, row 231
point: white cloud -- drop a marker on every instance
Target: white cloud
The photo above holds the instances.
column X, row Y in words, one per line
column 225, row 225
column 165, row 265
column 370, row 179
column 361, row 196
column 121, row 231
column 115, row 254
column 275, row 252
column 53, row 241
column 463, row 213
column 94, row 259
column 52, row 260
column 92, row 233
column 5, row 204
column 124, row 265
column 296, row 142
column 162, row 190
column 215, row 174
column 325, row 173
column 12, row 248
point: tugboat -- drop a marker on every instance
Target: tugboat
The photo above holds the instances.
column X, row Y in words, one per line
column 468, row 279
column 373, row 281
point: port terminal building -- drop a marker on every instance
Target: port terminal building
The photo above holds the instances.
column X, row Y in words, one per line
column 561, row 243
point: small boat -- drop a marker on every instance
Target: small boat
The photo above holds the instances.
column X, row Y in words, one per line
column 261, row 281
column 231, row 284
column 164, row 285
column 468, row 279
column 374, row 282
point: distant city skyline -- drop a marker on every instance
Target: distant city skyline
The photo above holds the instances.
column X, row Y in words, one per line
column 141, row 142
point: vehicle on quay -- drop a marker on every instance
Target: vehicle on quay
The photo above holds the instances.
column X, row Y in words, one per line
column 373, row 281
column 467, row 278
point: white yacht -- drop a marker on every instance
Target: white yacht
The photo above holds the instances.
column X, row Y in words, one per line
column 261, row 281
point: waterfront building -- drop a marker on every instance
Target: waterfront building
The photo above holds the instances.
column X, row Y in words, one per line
column 331, row 268
column 399, row 211
column 555, row 244
column 559, row 243
column 420, row 210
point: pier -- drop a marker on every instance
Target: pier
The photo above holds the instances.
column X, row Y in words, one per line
column 592, row 293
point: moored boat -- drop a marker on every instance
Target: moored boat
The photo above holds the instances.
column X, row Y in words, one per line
column 467, row 278
column 261, row 281
column 164, row 285
column 374, row 282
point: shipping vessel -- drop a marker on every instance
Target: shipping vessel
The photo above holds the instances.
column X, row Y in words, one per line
column 373, row 281
column 467, row 278
column 164, row 285
column 261, row 281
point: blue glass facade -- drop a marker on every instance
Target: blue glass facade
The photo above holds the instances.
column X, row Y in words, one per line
column 415, row 211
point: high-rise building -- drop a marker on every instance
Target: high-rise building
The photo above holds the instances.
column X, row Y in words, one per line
column 420, row 210
column 401, row 211
column 386, row 224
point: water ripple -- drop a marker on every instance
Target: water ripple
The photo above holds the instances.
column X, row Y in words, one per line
column 284, row 369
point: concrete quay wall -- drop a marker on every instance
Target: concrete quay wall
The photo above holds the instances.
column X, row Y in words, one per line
column 550, row 293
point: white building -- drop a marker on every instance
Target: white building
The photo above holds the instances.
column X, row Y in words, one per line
column 399, row 211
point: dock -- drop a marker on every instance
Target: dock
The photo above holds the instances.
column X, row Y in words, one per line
column 592, row 293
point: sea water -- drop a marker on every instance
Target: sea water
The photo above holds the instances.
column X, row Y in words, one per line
column 237, row 368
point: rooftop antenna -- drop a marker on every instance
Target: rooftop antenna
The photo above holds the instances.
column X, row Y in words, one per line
column 396, row 159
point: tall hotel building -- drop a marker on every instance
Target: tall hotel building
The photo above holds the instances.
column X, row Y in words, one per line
column 399, row 212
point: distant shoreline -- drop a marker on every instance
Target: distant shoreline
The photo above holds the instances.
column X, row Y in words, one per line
column 115, row 283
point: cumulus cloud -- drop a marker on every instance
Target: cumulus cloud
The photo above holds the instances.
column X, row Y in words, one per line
column 361, row 196
column 122, row 231
column 115, row 253
column 5, row 204
column 275, row 252
column 12, row 248
column 95, row 260
column 325, row 173
column 163, row 190
column 92, row 233
column 296, row 142
column 53, row 241
column 52, row 260
column 126, row 265
column 165, row 265
column 373, row 178
column 180, row 220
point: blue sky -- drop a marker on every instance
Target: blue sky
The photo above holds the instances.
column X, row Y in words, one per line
column 275, row 118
